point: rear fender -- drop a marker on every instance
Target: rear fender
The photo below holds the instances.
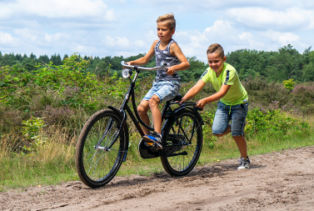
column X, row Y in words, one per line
column 192, row 109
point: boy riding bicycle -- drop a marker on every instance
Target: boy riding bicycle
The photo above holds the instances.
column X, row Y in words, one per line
column 232, row 96
column 167, row 81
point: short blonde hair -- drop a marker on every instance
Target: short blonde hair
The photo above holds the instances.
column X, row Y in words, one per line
column 216, row 48
column 171, row 21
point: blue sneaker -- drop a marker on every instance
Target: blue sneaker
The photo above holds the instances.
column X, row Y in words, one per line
column 153, row 139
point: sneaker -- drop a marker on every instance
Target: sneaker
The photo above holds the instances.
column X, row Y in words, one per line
column 153, row 139
column 244, row 163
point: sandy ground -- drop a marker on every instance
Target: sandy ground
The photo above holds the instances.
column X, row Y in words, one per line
column 277, row 181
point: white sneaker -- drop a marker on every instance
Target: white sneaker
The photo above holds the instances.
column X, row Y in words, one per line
column 244, row 163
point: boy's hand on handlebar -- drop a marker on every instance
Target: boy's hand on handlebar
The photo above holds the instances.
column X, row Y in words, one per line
column 201, row 103
column 182, row 100
column 170, row 71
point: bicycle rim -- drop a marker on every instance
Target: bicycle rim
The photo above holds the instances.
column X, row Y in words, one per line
column 100, row 148
column 183, row 140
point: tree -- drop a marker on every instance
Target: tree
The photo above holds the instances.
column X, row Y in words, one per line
column 56, row 59
column 43, row 59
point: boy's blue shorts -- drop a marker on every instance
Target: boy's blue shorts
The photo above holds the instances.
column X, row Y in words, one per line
column 165, row 90
column 225, row 113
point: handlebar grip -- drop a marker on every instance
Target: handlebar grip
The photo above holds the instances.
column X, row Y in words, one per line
column 133, row 67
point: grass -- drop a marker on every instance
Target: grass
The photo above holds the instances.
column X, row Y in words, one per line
column 53, row 162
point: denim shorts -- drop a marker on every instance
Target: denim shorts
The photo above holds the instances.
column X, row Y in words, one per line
column 225, row 113
column 165, row 90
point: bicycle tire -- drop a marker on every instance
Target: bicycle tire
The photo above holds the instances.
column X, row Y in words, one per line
column 183, row 141
column 95, row 164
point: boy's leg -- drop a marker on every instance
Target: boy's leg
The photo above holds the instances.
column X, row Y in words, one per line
column 241, row 143
column 220, row 125
column 165, row 91
column 154, row 139
column 228, row 130
column 244, row 159
column 156, row 114
column 142, row 111
column 237, row 129
column 238, row 117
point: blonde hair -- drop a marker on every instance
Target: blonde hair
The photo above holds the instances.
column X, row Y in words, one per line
column 216, row 48
column 171, row 21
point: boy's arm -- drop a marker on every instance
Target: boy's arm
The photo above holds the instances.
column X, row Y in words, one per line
column 222, row 92
column 184, row 64
column 143, row 60
column 193, row 91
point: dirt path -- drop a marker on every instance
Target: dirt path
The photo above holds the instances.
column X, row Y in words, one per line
column 276, row 181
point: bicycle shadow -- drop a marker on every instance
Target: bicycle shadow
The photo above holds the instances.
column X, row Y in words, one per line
column 214, row 170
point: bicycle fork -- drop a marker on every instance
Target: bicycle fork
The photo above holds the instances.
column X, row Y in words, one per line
column 115, row 135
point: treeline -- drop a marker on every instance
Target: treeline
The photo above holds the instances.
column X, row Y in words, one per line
column 286, row 63
column 274, row 66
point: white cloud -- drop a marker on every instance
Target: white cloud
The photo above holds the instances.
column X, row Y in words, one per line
column 261, row 18
column 233, row 38
column 119, row 42
column 281, row 38
column 6, row 38
column 57, row 37
column 28, row 35
column 109, row 28
column 57, row 9
column 204, row 5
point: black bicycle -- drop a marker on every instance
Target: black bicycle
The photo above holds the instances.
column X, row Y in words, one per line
column 104, row 140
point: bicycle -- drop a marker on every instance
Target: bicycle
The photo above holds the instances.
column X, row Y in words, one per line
column 104, row 139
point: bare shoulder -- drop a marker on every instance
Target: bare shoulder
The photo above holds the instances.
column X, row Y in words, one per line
column 174, row 45
column 155, row 42
column 174, row 48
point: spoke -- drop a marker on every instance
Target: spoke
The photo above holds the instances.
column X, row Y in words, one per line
column 96, row 164
column 106, row 131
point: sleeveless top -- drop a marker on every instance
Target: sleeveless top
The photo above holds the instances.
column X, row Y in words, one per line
column 164, row 58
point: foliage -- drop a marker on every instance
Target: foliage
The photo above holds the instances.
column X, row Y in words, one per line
column 30, row 131
column 272, row 122
column 289, row 84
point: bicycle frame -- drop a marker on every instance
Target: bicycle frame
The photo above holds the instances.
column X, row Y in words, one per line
column 125, row 108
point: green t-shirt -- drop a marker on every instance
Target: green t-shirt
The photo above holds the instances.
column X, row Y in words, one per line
column 229, row 76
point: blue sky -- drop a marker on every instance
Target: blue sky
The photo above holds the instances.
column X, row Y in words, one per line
column 128, row 27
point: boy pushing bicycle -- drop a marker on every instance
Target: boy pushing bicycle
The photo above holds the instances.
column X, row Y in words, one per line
column 167, row 82
column 232, row 96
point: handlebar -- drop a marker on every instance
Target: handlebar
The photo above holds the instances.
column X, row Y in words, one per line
column 133, row 67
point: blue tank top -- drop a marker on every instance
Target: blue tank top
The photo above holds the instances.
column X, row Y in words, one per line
column 164, row 58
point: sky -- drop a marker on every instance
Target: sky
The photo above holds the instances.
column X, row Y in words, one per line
column 128, row 27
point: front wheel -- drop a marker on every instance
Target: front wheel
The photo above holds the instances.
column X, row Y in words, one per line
column 183, row 141
column 101, row 148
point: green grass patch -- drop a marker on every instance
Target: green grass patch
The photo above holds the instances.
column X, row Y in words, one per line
column 53, row 162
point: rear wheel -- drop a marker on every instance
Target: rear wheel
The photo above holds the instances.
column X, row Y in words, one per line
column 183, row 141
column 100, row 149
